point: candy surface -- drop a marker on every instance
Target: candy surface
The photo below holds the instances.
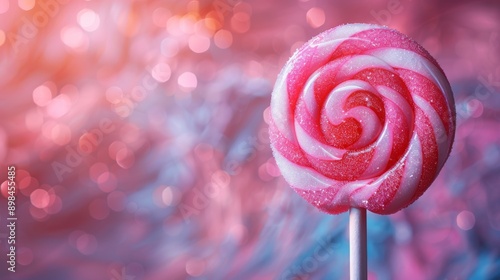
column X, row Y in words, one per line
column 362, row 116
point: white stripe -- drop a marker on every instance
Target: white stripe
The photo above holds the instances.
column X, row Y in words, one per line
column 301, row 177
column 438, row 127
column 399, row 100
column 358, row 63
column 332, row 38
column 366, row 192
column 344, row 195
column 411, row 176
column 339, row 95
column 309, row 95
column 315, row 148
column 369, row 122
column 280, row 105
column 401, row 58
column 383, row 149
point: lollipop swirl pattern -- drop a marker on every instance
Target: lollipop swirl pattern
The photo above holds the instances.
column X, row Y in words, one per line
column 361, row 117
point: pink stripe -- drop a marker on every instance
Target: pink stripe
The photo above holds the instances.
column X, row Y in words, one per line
column 379, row 38
column 321, row 199
column 386, row 192
column 423, row 128
column 421, row 86
column 286, row 148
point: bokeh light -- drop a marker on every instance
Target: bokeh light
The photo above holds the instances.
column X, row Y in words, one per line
column 74, row 38
column 40, row 198
column 4, row 6
column 26, row 4
column 88, row 20
column 315, row 17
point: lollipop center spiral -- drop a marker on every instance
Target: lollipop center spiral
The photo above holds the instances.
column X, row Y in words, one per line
column 353, row 115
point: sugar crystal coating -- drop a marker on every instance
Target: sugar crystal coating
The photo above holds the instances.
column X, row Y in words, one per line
column 361, row 116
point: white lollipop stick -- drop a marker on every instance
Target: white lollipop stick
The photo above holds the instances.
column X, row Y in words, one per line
column 357, row 243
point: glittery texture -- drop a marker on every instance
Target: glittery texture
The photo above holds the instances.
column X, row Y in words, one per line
column 362, row 116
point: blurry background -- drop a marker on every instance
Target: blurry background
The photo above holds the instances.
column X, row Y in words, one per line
column 138, row 129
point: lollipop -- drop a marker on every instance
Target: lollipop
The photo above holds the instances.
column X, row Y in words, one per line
column 362, row 118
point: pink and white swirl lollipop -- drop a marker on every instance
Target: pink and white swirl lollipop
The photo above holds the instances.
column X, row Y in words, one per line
column 362, row 116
